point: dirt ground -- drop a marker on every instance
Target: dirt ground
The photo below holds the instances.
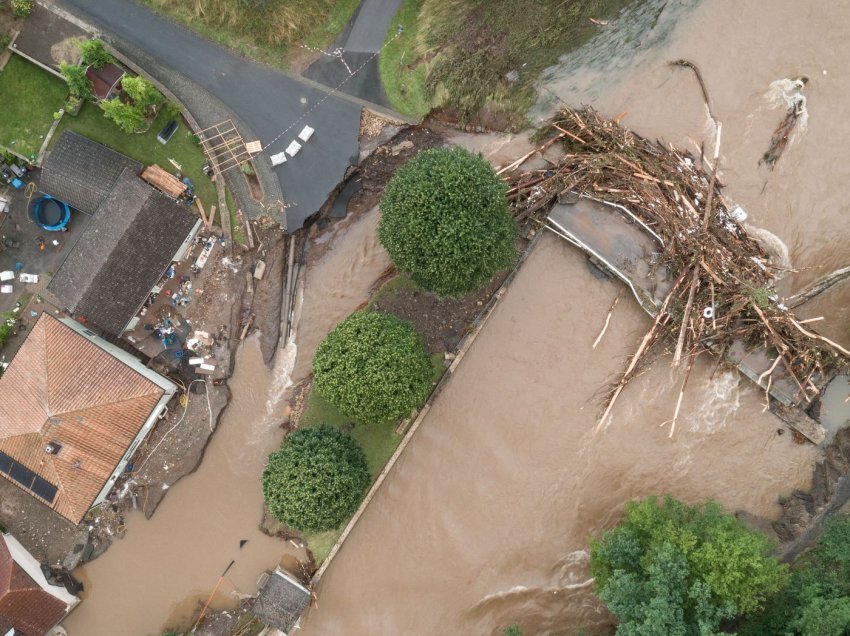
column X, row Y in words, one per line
column 443, row 322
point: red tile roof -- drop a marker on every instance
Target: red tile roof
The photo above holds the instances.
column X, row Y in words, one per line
column 23, row 604
column 63, row 388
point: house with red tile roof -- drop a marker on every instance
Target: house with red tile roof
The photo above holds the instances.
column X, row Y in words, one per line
column 29, row 604
column 73, row 410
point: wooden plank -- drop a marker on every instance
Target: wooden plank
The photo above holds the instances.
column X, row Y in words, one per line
column 201, row 211
column 802, row 423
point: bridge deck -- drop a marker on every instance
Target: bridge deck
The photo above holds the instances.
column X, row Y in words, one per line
column 629, row 250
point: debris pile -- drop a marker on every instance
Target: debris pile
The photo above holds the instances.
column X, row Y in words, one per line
column 723, row 290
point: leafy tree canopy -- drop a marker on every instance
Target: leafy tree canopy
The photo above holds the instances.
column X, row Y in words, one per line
column 817, row 600
column 680, row 570
column 78, row 84
column 373, row 367
column 316, row 480
column 94, row 53
column 142, row 92
column 445, row 221
column 127, row 117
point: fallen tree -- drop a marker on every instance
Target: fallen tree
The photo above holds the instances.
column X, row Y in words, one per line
column 715, row 265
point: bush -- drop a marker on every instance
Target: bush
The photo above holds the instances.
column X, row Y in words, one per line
column 445, row 221
column 316, row 480
column 22, row 8
column 78, row 84
column 94, row 54
column 678, row 569
column 7, row 326
column 373, row 367
column 143, row 94
column 127, row 117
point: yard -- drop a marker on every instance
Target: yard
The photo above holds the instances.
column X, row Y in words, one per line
column 144, row 147
column 30, row 97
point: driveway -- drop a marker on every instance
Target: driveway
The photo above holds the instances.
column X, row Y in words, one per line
column 266, row 100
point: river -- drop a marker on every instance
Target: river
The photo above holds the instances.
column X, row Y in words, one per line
column 155, row 576
column 485, row 518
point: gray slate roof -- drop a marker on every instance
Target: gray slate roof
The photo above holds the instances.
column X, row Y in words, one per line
column 281, row 601
column 124, row 252
column 82, row 172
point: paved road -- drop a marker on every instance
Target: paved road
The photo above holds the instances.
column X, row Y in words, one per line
column 362, row 38
column 268, row 101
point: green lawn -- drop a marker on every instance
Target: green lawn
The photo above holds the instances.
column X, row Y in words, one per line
column 402, row 71
column 30, row 97
column 145, row 148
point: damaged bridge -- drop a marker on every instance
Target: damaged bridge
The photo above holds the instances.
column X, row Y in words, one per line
column 620, row 244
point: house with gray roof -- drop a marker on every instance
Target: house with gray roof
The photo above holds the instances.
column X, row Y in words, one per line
column 281, row 601
column 135, row 234
column 82, row 172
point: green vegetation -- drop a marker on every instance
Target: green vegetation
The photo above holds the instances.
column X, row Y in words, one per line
column 135, row 113
column 512, row 630
column 445, row 221
column 817, row 600
column 143, row 94
column 126, row 116
column 22, row 8
column 145, row 148
column 94, row 54
column 7, row 326
column 31, row 96
column 268, row 31
column 481, row 59
column 316, row 480
column 373, row 367
column 403, row 73
column 679, row 569
column 78, row 84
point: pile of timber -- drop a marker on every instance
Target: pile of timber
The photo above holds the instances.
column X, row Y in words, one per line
column 164, row 181
column 724, row 281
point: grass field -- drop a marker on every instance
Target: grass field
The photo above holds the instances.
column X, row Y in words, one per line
column 145, row 148
column 458, row 53
column 269, row 31
column 30, row 97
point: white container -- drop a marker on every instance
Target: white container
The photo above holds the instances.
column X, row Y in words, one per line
column 279, row 158
column 7, row 275
column 28, row 278
column 738, row 214
column 293, row 148
column 196, row 361
column 6, row 289
column 305, row 134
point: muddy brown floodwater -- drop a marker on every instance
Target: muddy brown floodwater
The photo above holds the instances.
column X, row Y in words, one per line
column 155, row 576
column 484, row 521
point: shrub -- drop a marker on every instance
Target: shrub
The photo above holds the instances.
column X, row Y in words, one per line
column 316, row 480
column 127, row 117
column 373, row 367
column 22, row 8
column 7, row 326
column 678, row 569
column 143, row 94
column 94, row 54
column 445, row 221
column 78, row 84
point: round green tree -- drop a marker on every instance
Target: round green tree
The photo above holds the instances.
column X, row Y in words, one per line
column 679, row 569
column 373, row 367
column 316, row 480
column 445, row 221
